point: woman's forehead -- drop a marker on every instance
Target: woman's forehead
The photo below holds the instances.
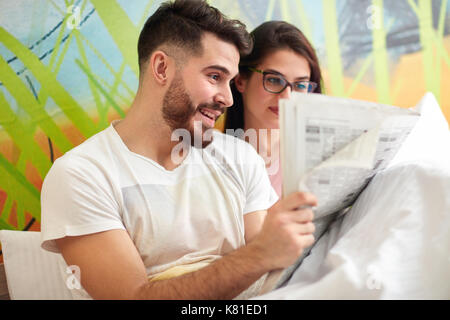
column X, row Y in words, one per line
column 287, row 62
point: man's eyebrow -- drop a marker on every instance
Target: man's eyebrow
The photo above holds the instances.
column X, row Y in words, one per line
column 218, row 67
column 279, row 73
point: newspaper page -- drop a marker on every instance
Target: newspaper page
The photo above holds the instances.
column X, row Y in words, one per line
column 333, row 147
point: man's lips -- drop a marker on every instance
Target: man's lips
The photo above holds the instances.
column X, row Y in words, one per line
column 274, row 110
column 210, row 113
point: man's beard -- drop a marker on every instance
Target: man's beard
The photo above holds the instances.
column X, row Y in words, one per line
column 178, row 110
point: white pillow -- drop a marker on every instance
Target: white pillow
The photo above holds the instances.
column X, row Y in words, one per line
column 31, row 272
column 429, row 141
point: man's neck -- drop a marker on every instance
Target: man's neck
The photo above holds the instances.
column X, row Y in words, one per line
column 145, row 132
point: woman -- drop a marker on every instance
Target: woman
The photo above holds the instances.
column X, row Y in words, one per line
column 282, row 61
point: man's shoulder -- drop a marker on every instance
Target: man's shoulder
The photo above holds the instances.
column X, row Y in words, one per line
column 95, row 144
column 88, row 155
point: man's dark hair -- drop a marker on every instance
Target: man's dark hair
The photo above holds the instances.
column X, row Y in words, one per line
column 182, row 23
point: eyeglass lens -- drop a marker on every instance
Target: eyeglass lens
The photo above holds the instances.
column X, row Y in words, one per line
column 276, row 83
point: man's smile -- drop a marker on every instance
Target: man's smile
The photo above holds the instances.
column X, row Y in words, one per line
column 209, row 116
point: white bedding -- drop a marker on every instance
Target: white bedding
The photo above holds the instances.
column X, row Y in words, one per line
column 32, row 273
column 394, row 243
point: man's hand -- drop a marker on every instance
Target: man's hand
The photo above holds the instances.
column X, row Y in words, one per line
column 287, row 230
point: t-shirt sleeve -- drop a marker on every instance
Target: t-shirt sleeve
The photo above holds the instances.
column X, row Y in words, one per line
column 77, row 198
column 260, row 193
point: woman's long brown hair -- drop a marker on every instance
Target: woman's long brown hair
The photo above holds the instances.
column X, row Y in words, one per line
column 268, row 38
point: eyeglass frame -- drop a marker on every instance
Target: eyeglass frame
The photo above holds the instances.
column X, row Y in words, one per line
column 290, row 84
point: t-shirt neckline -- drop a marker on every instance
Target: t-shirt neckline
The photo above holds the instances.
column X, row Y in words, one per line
column 151, row 161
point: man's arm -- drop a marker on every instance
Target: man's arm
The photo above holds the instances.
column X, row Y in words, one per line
column 111, row 267
column 253, row 223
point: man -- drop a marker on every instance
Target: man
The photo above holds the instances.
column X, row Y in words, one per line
column 139, row 224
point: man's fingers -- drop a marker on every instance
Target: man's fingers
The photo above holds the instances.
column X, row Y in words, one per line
column 302, row 216
column 298, row 200
column 308, row 228
column 303, row 228
column 308, row 240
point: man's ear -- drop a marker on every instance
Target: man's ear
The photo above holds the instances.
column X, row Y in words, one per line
column 159, row 66
column 240, row 82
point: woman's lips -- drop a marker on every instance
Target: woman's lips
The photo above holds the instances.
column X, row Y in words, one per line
column 274, row 110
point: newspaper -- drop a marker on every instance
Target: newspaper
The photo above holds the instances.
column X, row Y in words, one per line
column 332, row 147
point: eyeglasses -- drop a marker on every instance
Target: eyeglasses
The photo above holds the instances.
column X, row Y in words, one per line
column 276, row 83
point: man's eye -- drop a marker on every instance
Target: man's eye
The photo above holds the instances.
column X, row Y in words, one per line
column 215, row 77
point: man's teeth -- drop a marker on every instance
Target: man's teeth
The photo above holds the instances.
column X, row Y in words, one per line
column 208, row 114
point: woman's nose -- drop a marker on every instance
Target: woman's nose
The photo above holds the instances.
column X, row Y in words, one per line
column 286, row 93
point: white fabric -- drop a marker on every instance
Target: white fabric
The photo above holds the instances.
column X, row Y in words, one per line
column 429, row 140
column 32, row 273
column 190, row 214
column 394, row 243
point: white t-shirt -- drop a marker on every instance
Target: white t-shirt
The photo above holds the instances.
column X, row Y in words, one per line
column 190, row 214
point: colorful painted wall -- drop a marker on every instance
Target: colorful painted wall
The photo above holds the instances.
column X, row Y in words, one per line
column 69, row 67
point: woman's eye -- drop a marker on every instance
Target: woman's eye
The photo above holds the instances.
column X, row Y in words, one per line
column 300, row 85
column 274, row 80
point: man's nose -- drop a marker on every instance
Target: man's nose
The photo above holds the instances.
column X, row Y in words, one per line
column 225, row 97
